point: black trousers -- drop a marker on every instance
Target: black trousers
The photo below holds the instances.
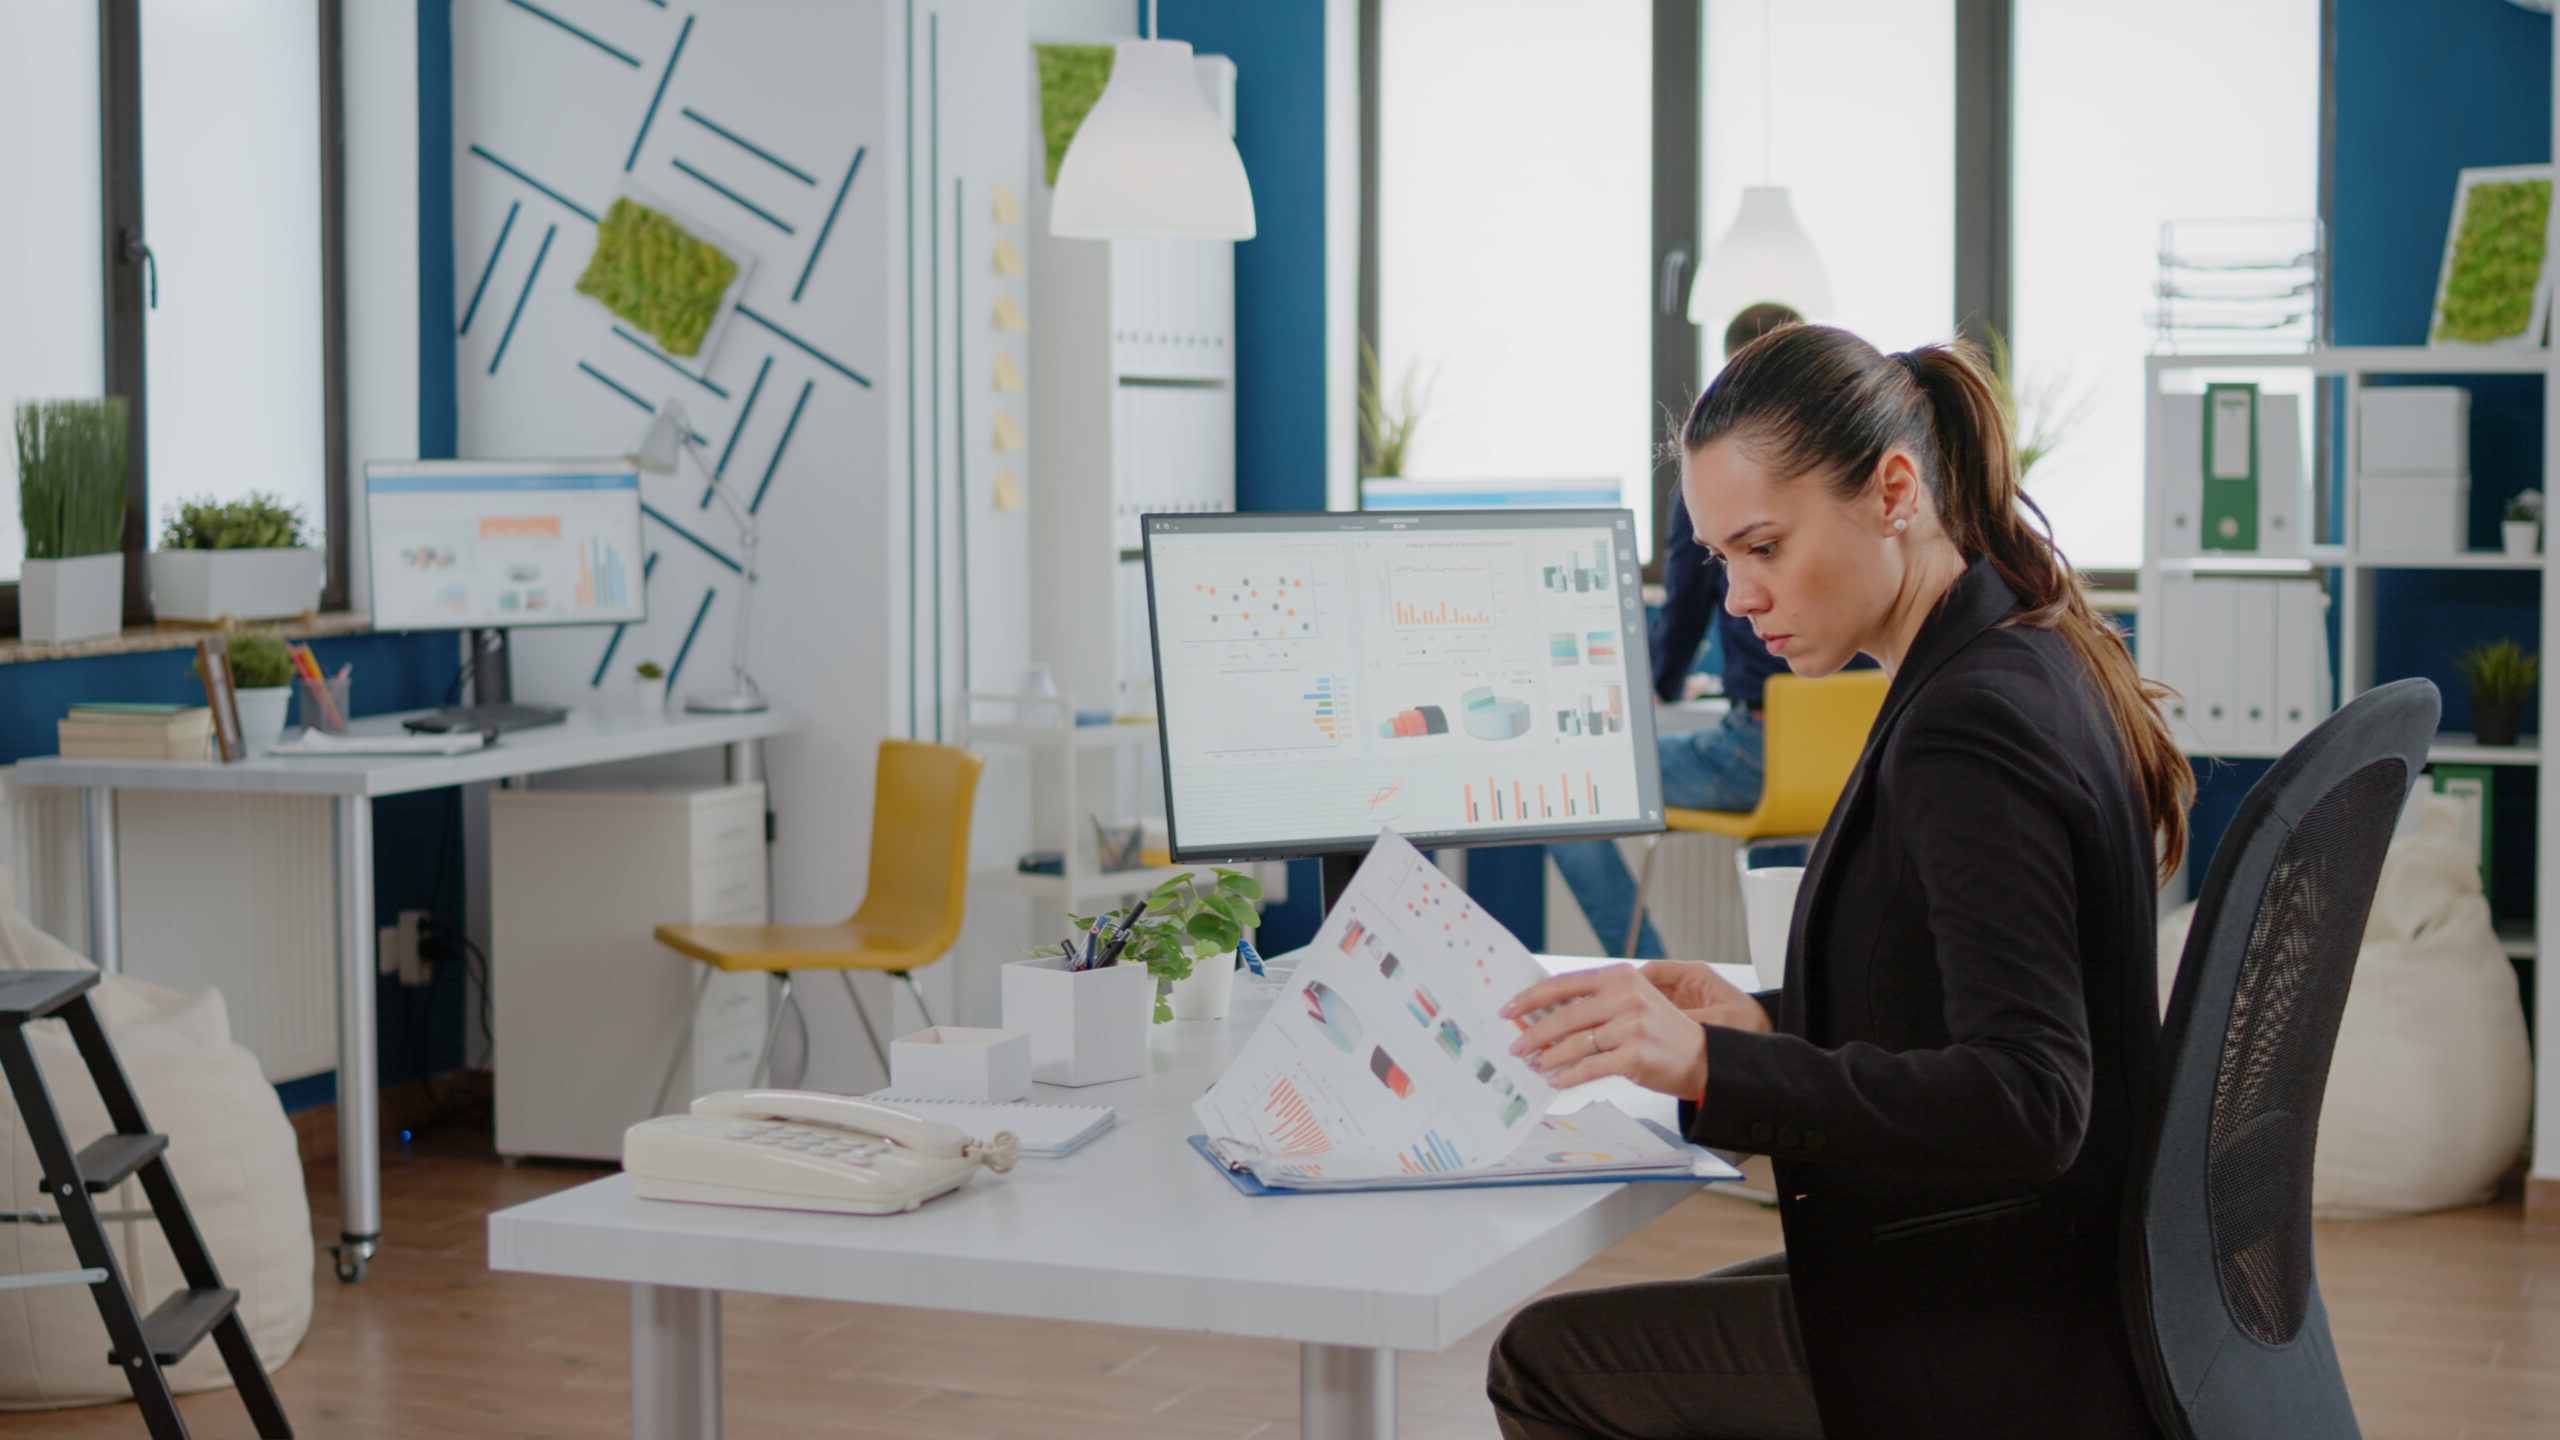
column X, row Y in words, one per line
column 1715, row 1358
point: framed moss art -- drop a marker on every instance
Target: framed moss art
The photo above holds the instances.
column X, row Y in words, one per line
column 1071, row 79
column 667, row 278
column 2495, row 288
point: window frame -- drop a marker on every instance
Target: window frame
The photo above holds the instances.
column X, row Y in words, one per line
column 124, row 303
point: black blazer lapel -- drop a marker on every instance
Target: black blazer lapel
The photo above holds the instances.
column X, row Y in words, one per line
column 1979, row 600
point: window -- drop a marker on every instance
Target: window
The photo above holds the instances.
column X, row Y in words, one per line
column 2128, row 116
column 1514, row 237
column 1849, row 104
column 52, row 342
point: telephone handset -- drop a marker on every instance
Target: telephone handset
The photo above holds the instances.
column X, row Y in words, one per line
column 804, row 1150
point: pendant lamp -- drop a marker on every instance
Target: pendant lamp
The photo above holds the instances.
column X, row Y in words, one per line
column 1766, row 255
column 1151, row 161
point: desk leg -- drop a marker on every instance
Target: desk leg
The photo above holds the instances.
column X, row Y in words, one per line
column 359, row 1079
column 98, row 821
column 675, row 1363
column 1346, row 1393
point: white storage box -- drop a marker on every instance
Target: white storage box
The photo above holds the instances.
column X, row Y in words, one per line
column 951, row 1062
column 2413, row 514
column 2415, row 430
column 1086, row 1026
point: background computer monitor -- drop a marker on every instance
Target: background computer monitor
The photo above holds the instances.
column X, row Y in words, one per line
column 486, row 544
column 1399, row 494
column 1462, row 677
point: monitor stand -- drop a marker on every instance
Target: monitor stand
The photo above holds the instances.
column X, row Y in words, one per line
column 1338, row 870
column 492, row 709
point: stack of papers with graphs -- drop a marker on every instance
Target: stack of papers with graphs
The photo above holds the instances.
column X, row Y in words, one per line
column 1386, row 1061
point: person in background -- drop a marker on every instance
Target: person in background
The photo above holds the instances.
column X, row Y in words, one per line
column 1716, row 767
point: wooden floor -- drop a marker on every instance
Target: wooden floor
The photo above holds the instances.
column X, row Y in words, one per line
column 2449, row 1326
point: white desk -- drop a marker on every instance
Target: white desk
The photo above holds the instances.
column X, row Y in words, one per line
column 1134, row 1229
column 588, row 737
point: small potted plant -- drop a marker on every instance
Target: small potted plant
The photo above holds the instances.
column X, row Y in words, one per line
column 2501, row 675
column 262, row 677
column 244, row 560
column 649, row 688
column 2520, row 527
column 71, row 456
column 1187, row 936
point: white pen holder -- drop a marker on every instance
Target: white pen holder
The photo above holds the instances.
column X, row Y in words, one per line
column 953, row 1062
column 1086, row 1026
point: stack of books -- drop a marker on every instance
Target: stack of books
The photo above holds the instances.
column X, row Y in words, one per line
column 136, row 732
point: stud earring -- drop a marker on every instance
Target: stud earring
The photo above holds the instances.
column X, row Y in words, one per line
column 1901, row 525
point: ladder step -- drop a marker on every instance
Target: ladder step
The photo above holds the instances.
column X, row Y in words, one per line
column 180, row 1321
column 106, row 1161
column 33, row 994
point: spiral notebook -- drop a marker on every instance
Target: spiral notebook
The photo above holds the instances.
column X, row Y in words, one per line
column 1046, row 1131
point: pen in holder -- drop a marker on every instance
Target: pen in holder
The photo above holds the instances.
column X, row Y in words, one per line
column 322, row 704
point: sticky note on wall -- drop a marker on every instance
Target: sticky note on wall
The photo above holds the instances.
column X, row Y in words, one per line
column 1009, row 316
column 1009, row 491
column 1008, row 261
column 1007, row 212
column 1008, row 433
column 1008, row 374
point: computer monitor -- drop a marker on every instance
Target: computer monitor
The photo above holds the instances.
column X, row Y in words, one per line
column 1399, row 494
column 1466, row 677
column 485, row 544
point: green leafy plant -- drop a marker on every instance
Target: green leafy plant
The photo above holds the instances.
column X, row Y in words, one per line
column 71, row 476
column 2524, row 508
column 2499, row 672
column 1386, row 430
column 2043, row 410
column 1072, row 77
column 260, row 522
column 258, row 662
column 2497, row 261
column 1183, row 921
column 648, row 670
column 650, row 271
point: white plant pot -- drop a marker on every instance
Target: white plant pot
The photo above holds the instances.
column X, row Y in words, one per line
column 210, row 585
column 262, row 716
column 2522, row 537
column 81, row 598
column 649, row 696
column 1204, row 994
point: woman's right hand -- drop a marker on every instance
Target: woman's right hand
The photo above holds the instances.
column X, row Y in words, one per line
column 1706, row 997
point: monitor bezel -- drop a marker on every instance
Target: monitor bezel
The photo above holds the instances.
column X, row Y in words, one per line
column 1639, row 709
column 571, row 465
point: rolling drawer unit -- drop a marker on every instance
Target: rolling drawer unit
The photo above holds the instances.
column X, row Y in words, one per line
column 588, row 1008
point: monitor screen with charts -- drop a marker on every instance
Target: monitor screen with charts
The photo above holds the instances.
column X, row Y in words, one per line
column 473, row 544
column 1461, row 677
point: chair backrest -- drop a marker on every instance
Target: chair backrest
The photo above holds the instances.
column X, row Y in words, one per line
column 1815, row 731
column 921, row 805
column 2221, row 1300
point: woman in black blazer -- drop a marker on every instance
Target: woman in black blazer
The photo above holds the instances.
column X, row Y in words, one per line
column 1950, row 1081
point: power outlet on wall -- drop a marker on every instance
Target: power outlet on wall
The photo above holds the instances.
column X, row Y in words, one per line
column 398, row 952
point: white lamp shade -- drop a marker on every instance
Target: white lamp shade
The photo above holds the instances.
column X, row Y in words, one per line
column 656, row 452
column 1151, row 161
column 1765, row 256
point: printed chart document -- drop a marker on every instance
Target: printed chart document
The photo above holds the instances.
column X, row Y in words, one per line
column 1386, row 1060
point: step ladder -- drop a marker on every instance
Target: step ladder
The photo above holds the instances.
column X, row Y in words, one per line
column 142, row 1344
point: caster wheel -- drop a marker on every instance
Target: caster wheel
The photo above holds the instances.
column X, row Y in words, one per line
column 352, row 1258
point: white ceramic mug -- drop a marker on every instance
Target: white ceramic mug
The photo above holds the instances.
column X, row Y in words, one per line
column 1768, row 914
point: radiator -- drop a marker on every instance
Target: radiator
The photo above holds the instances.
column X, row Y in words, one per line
column 228, row 892
column 1695, row 903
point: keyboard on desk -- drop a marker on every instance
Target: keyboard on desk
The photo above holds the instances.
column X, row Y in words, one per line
column 501, row 717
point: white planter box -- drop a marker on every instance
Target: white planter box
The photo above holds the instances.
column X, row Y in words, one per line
column 77, row 599
column 1086, row 1026
column 950, row 1062
column 2413, row 514
column 211, row 585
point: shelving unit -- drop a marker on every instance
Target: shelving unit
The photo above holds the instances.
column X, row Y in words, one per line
column 1081, row 879
column 2349, row 572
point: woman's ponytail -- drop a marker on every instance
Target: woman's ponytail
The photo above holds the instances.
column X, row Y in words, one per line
column 1812, row 398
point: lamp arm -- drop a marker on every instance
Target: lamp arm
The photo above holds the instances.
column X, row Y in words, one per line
column 745, row 519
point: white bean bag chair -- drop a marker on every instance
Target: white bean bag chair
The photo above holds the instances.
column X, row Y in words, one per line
column 2431, row 1088
column 233, row 1154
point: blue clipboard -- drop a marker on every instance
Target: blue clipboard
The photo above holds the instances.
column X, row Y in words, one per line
column 1246, row 1185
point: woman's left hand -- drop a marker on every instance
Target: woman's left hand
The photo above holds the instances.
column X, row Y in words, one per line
column 1611, row 1021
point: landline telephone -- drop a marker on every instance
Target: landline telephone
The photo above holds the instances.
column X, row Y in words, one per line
column 804, row 1150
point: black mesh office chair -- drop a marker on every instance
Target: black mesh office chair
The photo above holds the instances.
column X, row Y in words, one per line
column 2220, row 1297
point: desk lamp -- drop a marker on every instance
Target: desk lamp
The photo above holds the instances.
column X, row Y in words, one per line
column 669, row 436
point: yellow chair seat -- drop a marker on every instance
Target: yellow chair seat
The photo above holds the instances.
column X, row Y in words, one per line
column 784, row 948
column 1736, row 823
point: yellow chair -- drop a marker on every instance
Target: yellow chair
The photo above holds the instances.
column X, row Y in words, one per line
column 911, row 910
column 1815, row 732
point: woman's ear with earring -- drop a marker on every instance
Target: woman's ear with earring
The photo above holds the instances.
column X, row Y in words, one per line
column 1901, row 525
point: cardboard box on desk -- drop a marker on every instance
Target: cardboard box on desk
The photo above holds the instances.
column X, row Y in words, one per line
column 1086, row 1026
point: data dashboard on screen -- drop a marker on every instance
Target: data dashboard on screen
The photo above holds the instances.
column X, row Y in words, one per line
column 1462, row 677
column 469, row 544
